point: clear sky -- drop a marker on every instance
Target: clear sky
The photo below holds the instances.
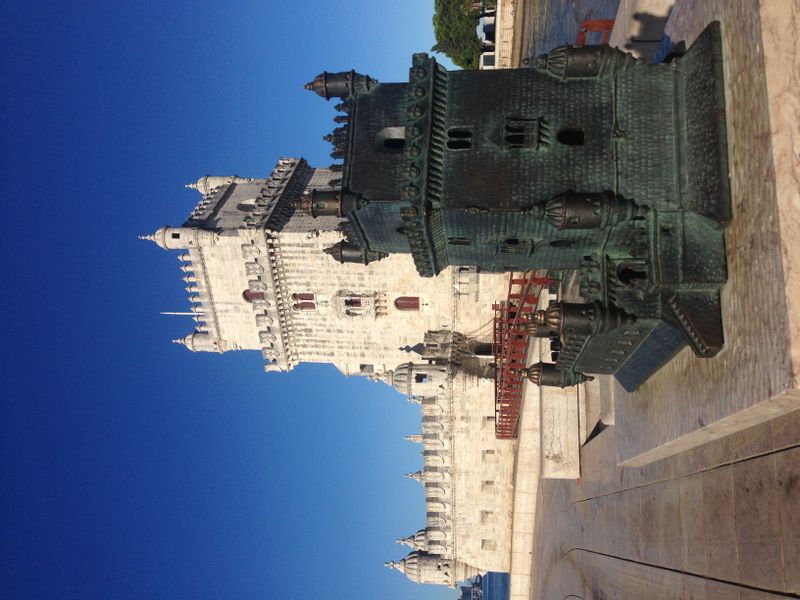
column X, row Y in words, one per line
column 130, row 467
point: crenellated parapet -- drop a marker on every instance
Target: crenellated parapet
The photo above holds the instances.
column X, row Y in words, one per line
column 277, row 338
column 465, row 471
column 422, row 169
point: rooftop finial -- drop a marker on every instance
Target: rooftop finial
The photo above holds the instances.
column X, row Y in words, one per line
column 149, row 238
column 416, row 476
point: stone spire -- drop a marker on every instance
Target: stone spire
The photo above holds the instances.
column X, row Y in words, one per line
column 416, row 476
column 418, row 541
column 415, row 437
column 397, row 566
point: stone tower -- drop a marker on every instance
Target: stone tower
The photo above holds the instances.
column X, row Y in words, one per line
column 258, row 278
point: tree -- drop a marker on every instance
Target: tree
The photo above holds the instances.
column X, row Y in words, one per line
column 454, row 23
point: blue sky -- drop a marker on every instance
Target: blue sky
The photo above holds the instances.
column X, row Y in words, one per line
column 131, row 468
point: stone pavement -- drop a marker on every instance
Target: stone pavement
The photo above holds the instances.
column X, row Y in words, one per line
column 691, row 401
column 719, row 521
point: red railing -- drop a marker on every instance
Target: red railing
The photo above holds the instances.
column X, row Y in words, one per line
column 602, row 26
column 511, row 348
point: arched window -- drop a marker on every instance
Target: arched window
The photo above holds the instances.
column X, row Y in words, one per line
column 252, row 295
column 304, row 306
column 391, row 139
column 304, row 297
column 407, row 303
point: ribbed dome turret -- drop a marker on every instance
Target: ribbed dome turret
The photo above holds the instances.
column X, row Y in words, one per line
column 418, row 541
column 555, row 212
column 554, row 63
column 402, row 377
column 550, row 318
column 422, row 567
column 319, row 85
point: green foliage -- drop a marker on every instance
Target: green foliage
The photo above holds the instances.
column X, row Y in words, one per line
column 454, row 23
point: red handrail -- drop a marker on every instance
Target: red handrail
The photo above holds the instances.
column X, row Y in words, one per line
column 603, row 26
column 511, row 348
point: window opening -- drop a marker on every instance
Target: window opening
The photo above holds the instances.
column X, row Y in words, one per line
column 407, row 303
column 391, row 139
column 524, row 133
column 421, row 378
column 459, row 241
column 459, row 138
column 252, row 295
column 630, row 276
column 571, row 136
column 305, row 296
column 514, row 246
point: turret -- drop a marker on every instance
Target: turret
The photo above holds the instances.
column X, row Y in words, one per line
column 340, row 85
column 345, row 252
column 421, row 567
column 206, row 184
column 181, row 238
column 202, row 342
column 548, row 375
column 583, row 319
column 590, row 211
column 418, row 541
column 419, row 379
column 325, row 203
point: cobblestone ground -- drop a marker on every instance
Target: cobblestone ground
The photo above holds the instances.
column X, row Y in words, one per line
column 551, row 23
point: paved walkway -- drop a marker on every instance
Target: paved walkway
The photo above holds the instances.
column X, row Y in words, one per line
column 721, row 521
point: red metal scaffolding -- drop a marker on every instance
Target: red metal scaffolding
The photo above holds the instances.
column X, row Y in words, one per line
column 511, row 348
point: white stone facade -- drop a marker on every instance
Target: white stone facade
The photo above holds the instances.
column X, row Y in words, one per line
column 466, row 472
column 258, row 279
